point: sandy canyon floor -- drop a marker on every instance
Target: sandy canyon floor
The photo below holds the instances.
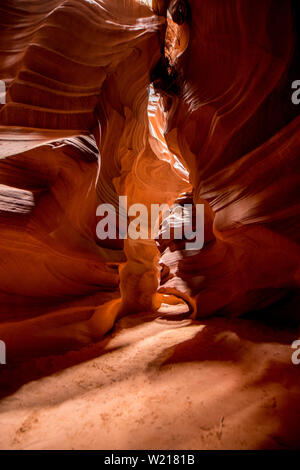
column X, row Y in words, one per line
column 156, row 384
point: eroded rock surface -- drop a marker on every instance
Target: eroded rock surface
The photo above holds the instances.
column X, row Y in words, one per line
column 190, row 99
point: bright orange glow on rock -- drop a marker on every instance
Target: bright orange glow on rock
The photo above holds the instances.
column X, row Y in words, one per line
column 182, row 102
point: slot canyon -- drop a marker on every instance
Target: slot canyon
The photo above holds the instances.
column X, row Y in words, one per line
column 113, row 341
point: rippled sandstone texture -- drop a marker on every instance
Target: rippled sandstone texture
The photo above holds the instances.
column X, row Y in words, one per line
column 81, row 127
column 238, row 133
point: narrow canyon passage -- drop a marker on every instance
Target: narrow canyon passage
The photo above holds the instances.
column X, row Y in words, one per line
column 149, row 217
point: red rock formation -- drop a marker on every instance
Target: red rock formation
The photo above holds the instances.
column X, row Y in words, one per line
column 238, row 133
column 81, row 127
column 69, row 67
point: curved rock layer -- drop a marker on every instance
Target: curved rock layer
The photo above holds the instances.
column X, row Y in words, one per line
column 238, row 132
column 110, row 98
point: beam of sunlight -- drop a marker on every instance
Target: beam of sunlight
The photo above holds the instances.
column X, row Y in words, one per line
column 149, row 3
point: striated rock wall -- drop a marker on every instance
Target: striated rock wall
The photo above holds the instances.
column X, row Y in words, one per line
column 237, row 130
column 111, row 98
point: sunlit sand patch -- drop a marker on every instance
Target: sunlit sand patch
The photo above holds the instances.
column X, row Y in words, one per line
column 180, row 308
